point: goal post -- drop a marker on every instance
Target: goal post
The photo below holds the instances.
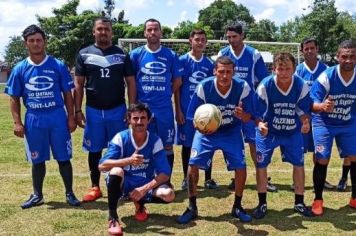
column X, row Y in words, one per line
column 182, row 46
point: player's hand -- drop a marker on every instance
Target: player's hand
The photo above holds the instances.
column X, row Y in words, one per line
column 80, row 119
column 305, row 126
column 241, row 114
column 263, row 128
column 136, row 159
column 19, row 130
column 180, row 118
column 328, row 105
column 72, row 125
column 138, row 193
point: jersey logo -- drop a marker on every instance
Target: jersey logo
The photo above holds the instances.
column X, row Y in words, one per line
column 39, row 83
column 197, row 76
column 154, row 68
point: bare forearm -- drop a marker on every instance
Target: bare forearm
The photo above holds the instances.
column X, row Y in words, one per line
column 131, row 89
column 157, row 181
column 78, row 92
column 68, row 102
column 15, row 107
column 109, row 164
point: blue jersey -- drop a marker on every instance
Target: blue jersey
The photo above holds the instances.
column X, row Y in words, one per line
column 331, row 83
column 155, row 72
column 309, row 75
column 40, row 85
column 249, row 65
column 281, row 110
column 194, row 72
column 207, row 92
column 155, row 159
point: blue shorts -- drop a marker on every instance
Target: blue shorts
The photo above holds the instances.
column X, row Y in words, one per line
column 101, row 126
column 164, row 128
column 344, row 137
column 229, row 141
column 47, row 130
column 249, row 131
column 291, row 147
column 186, row 133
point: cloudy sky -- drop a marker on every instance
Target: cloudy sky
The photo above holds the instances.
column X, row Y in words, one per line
column 15, row 15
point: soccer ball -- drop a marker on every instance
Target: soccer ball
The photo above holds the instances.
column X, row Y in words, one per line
column 207, row 118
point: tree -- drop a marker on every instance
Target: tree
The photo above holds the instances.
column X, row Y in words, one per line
column 109, row 8
column 264, row 30
column 15, row 51
column 222, row 12
column 182, row 31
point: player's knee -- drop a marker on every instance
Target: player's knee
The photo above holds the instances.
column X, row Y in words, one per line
column 166, row 194
column 323, row 161
column 117, row 171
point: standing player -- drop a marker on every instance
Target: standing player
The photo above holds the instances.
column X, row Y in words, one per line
column 102, row 69
column 249, row 66
column 45, row 85
column 197, row 67
column 138, row 168
column 281, row 104
column 233, row 97
column 158, row 76
column 310, row 70
column 334, row 96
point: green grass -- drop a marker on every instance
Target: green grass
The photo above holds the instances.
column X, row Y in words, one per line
column 55, row 217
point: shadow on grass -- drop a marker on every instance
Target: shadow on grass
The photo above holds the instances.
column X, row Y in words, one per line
column 219, row 193
column 97, row 205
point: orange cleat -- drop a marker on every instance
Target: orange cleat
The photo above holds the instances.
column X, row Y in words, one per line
column 317, row 207
column 114, row 227
column 141, row 213
column 352, row 203
column 93, row 194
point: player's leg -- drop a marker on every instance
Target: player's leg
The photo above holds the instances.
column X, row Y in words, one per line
column 353, row 181
column 345, row 171
column 185, row 161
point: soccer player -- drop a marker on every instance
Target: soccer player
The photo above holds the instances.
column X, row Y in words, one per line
column 158, row 76
column 334, row 96
column 137, row 168
column 282, row 104
column 249, row 66
column 44, row 84
column 102, row 69
column 197, row 67
column 310, row 70
column 233, row 97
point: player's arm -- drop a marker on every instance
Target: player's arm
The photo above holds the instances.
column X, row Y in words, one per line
column 177, row 105
column 111, row 159
column 326, row 106
column 177, row 82
column 319, row 93
column 131, row 88
column 260, row 107
column 68, row 102
column 244, row 108
column 78, row 99
column 15, row 106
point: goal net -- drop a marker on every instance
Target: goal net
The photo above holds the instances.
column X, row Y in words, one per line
column 182, row 46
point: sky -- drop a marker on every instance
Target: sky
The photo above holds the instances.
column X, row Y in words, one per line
column 15, row 15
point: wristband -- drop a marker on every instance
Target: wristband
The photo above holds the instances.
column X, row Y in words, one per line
column 76, row 112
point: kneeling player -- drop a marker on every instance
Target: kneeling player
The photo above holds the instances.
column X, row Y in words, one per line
column 281, row 104
column 229, row 95
column 138, row 168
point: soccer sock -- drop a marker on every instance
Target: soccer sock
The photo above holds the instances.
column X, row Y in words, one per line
column 345, row 171
column 237, row 202
column 38, row 174
column 208, row 173
column 319, row 176
column 65, row 168
column 93, row 160
column 171, row 160
column 262, row 198
column 298, row 199
column 193, row 203
column 185, row 159
column 114, row 193
column 353, row 178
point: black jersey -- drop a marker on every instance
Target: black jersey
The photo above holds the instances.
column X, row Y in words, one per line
column 104, row 71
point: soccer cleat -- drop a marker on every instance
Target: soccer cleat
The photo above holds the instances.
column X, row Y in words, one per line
column 93, row 194
column 141, row 213
column 303, row 210
column 260, row 211
column 341, row 187
column 231, row 186
column 33, row 201
column 241, row 214
column 328, row 185
column 211, row 184
column 270, row 187
column 187, row 216
column 114, row 227
column 317, row 207
column 352, row 203
column 72, row 200
column 184, row 185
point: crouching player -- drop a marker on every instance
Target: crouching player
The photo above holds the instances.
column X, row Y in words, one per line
column 137, row 166
column 281, row 105
column 233, row 97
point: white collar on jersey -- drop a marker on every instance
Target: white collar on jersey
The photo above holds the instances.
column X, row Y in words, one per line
column 134, row 143
column 342, row 79
column 34, row 64
column 149, row 50
column 279, row 89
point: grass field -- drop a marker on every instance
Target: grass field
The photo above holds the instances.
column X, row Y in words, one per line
column 55, row 217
